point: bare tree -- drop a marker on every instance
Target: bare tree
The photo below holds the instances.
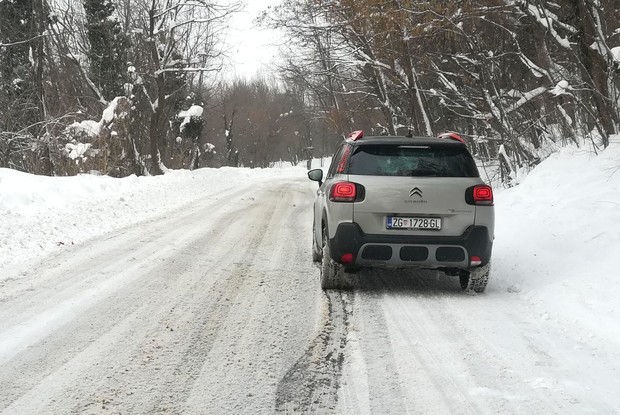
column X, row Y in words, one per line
column 179, row 42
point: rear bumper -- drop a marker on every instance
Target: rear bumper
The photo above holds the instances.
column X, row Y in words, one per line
column 410, row 251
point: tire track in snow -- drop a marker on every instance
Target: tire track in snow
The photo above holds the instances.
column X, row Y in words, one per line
column 58, row 273
column 372, row 385
column 275, row 315
column 463, row 354
column 204, row 314
column 138, row 296
column 311, row 384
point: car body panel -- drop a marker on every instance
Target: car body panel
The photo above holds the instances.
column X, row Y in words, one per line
column 424, row 197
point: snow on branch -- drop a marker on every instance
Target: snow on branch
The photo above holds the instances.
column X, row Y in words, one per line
column 176, row 25
column 536, row 70
column 547, row 20
column 202, row 69
column 526, row 97
column 599, row 44
column 21, row 42
column 224, row 10
column 562, row 88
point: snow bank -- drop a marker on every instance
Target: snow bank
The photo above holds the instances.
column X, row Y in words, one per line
column 43, row 214
column 556, row 239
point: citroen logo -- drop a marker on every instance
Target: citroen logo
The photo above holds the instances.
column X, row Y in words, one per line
column 415, row 191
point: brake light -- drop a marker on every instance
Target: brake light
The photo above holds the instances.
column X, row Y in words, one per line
column 344, row 159
column 356, row 135
column 483, row 195
column 475, row 261
column 343, row 192
column 452, row 136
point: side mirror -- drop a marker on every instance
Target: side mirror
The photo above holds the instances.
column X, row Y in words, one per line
column 316, row 175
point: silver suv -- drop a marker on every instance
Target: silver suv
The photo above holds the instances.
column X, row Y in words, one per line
column 395, row 202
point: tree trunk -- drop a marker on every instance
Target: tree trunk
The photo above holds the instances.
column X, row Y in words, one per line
column 158, row 106
column 154, row 141
column 596, row 69
column 39, row 58
column 232, row 156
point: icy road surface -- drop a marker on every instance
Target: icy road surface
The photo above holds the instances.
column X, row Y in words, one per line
column 217, row 310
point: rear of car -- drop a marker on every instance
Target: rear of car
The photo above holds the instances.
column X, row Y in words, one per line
column 392, row 202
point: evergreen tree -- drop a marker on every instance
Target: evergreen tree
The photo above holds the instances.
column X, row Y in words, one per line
column 17, row 95
column 22, row 95
column 108, row 47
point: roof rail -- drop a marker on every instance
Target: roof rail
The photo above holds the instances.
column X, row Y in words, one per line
column 451, row 136
column 355, row 135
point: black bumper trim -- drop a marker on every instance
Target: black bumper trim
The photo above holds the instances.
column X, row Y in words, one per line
column 349, row 238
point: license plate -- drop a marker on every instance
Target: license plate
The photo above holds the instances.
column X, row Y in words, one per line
column 400, row 222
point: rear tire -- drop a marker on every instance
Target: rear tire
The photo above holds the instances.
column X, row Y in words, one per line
column 331, row 272
column 464, row 279
column 317, row 255
column 475, row 280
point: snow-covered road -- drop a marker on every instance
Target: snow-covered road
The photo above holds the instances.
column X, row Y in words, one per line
column 201, row 312
column 216, row 309
column 426, row 348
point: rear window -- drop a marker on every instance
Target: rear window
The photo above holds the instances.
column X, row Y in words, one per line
column 410, row 160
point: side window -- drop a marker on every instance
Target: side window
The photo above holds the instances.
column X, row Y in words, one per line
column 335, row 161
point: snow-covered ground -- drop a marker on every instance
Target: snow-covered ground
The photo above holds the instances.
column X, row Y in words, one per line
column 548, row 327
column 557, row 237
column 41, row 215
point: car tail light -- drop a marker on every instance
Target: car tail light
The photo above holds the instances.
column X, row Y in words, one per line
column 344, row 159
column 483, row 195
column 343, row 192
column 474, row 261
column 479, row 195
column 346, row 259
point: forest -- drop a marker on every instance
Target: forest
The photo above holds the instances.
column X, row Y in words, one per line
column 121, row 87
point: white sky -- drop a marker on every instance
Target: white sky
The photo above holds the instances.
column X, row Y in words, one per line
column 252, row 49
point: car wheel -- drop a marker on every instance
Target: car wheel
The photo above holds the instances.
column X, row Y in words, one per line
column 330, row 270
column 475, row 280
column 317, row 254
column 464, row 279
